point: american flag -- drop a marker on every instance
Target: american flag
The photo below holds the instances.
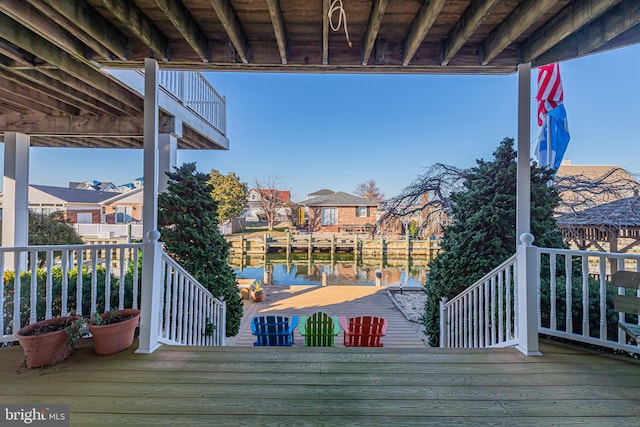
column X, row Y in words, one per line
column 550, row 93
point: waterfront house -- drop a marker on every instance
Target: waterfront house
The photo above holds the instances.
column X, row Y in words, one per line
column 340, row 212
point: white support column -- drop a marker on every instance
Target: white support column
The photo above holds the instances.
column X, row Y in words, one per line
column 15, row 209
column 151, row 250
column 527, row 302
column 168, row 145
column 150, row 144
column 523, row 190
column 151, row 294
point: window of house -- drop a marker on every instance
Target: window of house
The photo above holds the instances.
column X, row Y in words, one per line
column 362, row 211
column 329, row 216
column 124, row 214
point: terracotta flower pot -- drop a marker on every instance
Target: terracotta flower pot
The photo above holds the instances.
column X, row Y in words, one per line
column 115, row 337
column 46, row 348
column 257, row 295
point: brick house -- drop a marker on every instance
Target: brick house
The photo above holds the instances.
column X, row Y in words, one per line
column 339, row 212
column 254, row 205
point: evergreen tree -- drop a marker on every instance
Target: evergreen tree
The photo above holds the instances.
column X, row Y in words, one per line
column 51, row 229
column 188, row 223
column 482, row 234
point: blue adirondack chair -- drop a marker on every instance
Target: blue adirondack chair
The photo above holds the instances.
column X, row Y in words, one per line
column 273, row 330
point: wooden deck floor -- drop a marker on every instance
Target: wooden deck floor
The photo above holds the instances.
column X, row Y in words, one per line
column 332, row 386
column 404, row 383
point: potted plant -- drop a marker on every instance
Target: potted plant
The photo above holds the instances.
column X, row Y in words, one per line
column 257, row 293
column 50, row 341
column 113, row 331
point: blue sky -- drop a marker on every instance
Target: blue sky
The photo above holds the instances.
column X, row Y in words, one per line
column 316, row 131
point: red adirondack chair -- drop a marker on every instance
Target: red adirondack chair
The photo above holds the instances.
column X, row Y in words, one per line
column 363, row 331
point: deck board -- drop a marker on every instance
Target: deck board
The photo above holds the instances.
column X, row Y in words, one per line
column 292, row 386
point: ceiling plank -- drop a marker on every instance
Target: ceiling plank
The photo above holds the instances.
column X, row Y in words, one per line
column 101, row 98
column 92, row 23
column 50, row 88
column 133, row 18
column 569, row 20
column 36, row 22
column 92, row 45
column 186, row 25
column 628, row 38
column 421, row 25
column 32, row 97
column 589, row 39
column 325, row 31
column 278, row 28
column 375, row 19
column 227, row 16
column 20, row 57
column 14, row 33
column 518, row 21
column 25, row 103
column 83, row 125
column 468, row 23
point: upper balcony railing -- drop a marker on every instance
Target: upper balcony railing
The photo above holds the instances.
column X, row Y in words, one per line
column 197, row 94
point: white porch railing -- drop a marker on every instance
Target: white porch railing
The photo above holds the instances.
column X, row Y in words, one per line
column 47, row 282
column 574, row 302
column 195, row 92
column 484, row 314
column 575, row 299
column 189, row 314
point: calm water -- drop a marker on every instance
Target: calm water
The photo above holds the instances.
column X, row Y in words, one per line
column 340, row 271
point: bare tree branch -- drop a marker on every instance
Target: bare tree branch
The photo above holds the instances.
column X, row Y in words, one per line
column 271, row 198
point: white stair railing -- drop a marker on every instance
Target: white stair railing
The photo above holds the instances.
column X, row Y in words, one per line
column 47, row 284
column 189, row 313
column 484, row 314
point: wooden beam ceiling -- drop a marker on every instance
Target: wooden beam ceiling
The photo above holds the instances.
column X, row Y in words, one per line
column 420, row 27
column 278, row 28
column 592, row 37
column 227, row 16
column 182, row 20
column 373, row 26
column 569, row 20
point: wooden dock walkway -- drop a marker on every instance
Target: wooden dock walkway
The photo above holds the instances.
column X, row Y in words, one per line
column 335, row 301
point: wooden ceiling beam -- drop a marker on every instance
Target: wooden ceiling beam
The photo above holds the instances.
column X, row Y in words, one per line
column 51, row 88
column 14, row 33
column 12, row 98
column 20, row 57
column 86, row 124
column 518, row 21
column 618, row 20
column 101, row 99
column 569, row 20
column 278, row 28
column 229, row 20
column 373, row 26
column 138, row 23
column 326, row 4
column 182, row 20
column 36, row 22
column 468, row 23
column 32, row 97
column 421, row 25
column 85, row 18
column 91, row 44
column 628, row 38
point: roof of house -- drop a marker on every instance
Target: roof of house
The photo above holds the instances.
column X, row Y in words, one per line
column 323, row 192
column 338, row 199
column 75, row 195
column 619, row 213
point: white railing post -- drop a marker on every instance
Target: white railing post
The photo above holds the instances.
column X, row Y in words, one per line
column 150, row 294
column 527, row 296
column 443, row 325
